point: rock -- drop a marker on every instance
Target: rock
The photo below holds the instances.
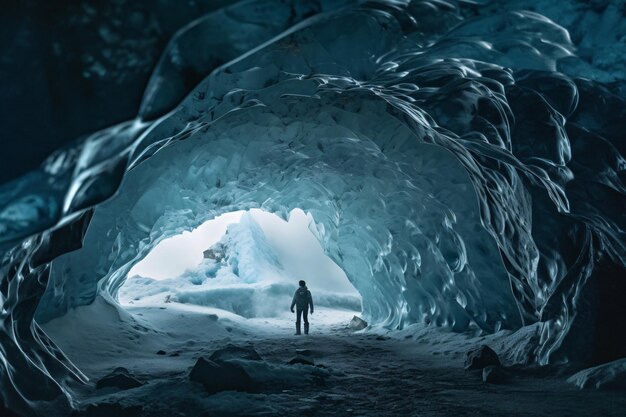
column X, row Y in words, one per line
column 610, row 375
column 493, row 374
column 120, row 378
column 304, row 352
column 298, row 360
column 220, row 376
column 235, row 352
column 161, row 352
column 382, row 338
column 481, row 357
column 357, row 323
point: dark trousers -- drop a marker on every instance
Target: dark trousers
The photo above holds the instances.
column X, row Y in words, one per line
column 302, row 313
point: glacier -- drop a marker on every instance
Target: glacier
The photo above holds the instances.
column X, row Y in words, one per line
column 464, row 164
column 251, row 271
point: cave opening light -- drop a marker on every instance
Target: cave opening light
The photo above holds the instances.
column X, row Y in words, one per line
column 244, row 265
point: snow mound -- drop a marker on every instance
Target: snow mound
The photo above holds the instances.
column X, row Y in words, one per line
column 610, row 375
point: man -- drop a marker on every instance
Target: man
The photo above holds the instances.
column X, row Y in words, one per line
column 302, row 300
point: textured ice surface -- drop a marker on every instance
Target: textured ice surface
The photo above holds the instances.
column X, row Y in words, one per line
column 464, row 165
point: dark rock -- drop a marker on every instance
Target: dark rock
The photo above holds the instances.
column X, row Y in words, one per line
column 481, row 357
column 220, row 376
column 493, row 374
column 173, row 354
column 298, row 360
column 304, row 352
column 120, row 378
column 235, row 352
column 382, row 338
column 161, row 352
column 357, row 323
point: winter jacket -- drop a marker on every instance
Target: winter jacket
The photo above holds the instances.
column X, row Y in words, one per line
column 302, row 298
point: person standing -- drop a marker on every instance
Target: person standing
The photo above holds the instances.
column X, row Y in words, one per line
column 302, row 300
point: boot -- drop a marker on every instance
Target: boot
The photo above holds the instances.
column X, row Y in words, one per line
column 306, row 328
column 298, row 329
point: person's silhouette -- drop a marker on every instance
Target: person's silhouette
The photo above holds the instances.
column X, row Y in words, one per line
column 302, row 300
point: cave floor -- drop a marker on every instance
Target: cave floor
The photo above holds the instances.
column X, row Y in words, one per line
column 364, row 373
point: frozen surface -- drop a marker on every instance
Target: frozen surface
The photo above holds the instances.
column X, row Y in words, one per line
column 463, row 164
column 417, row 370
column 171, row 257
column 610, row 375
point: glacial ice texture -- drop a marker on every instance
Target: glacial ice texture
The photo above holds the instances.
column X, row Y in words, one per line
column 463, row 165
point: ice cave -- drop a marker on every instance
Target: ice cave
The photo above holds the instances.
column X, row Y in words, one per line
column 447, row 176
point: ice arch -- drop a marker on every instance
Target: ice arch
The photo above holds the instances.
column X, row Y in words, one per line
column 386, row 220
column 406, row 129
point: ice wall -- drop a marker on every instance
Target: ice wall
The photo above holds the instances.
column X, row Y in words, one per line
column 459, row 171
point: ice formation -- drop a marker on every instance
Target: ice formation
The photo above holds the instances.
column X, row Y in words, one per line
column 252, row 272
column 464, row 166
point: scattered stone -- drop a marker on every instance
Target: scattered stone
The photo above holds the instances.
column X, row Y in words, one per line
column 357, row 323
column 174, row 354
column 161, row 352
column 120, row 378
column 382, row 338
column 235, row 352
column 220, row 376
column 481, row 357
column 212, row 317
column 493, row 374
column 304, row 352
column 298, row 360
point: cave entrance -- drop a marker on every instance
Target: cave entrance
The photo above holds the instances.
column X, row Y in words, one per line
column 241, row 265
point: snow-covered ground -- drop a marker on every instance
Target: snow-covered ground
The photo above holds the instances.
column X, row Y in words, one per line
column 414, row 372
column 241, row 294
